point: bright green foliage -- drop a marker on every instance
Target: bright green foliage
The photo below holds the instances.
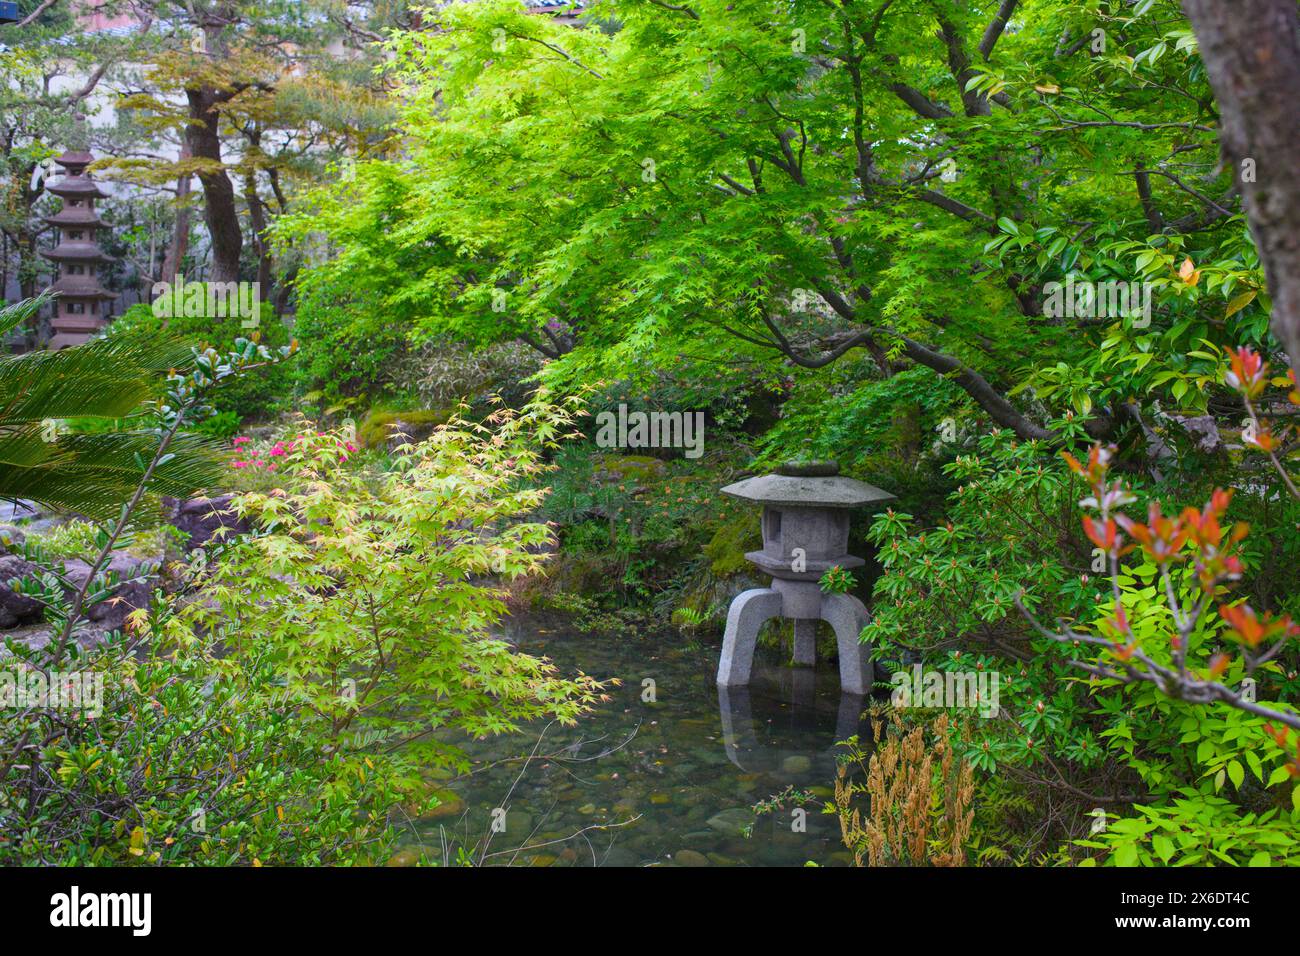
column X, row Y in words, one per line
column 362, row 590
column 326, row 663
column 83, row 539
column 247, row 396
column 737, row 179
column 1011, row 527
column 837, row 581
column 1200, row 830
column 194, row 760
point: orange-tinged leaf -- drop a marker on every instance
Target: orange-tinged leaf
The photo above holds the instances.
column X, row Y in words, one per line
column 1239, row 303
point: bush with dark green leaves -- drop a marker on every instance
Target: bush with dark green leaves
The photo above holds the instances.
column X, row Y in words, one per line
column 252, row 396
column 193, row 760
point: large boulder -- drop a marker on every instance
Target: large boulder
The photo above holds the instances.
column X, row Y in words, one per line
column 16, row 608
column 201, row 517
column 392, row 429
column 1203, row 430
column 18, row 509
column 633, row 468
column 111, row 613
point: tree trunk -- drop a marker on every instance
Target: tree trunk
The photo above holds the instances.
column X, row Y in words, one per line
column 219, row 211
column 180, row 243
column 1251, row 50
column 257, row 220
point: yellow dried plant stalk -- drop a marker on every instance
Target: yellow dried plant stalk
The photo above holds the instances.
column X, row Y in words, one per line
column 919, row 798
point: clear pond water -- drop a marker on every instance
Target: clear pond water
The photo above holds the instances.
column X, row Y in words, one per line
column 667, row 778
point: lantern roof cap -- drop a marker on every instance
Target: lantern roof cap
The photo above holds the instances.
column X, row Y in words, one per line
column 814, row 484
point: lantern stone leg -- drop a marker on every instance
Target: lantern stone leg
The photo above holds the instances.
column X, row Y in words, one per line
column 745, row 748
column 849, row 716
column 747, row 613
column 805, row 643
column 844, row 613
column 737, row 723
column 848, row 616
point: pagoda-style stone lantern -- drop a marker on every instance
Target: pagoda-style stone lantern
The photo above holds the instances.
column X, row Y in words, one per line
column 805, row 533
column 81, row 309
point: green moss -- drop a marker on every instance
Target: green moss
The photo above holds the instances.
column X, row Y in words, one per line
column 375, row 428
column 586, row 574
column 726, row 549
column 634, row 467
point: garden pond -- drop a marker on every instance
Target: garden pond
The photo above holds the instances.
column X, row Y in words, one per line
column 666, row 773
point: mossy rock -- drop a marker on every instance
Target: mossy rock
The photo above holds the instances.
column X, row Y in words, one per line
column 632, row 468
column 824, row 468
column 381, row 426
column 726, row 549
column 449, row 804
column 584, row 574
column 406, row 857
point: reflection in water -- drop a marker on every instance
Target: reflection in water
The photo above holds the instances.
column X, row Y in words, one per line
column 668, row 780
column 738, row 735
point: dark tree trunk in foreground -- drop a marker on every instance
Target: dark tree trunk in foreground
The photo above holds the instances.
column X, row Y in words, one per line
column 1251, row 50
column 219, row 211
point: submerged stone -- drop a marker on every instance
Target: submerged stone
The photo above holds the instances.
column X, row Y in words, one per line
column 731, row 821
column 796, row 763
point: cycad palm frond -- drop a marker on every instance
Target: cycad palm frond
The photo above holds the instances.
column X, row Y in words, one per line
column 105, row 378
column 14, row 315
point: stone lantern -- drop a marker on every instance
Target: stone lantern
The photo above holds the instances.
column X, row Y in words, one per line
column 81, row 309
column 805, row 533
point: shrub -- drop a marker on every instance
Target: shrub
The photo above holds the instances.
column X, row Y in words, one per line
column 1076, row 722
column 193, row 760
column 250, row 396
column 348, row 337
column 361, row 589
column 324, row 663
column 83, row 539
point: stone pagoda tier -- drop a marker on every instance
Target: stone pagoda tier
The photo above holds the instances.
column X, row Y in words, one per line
column 81, row 309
